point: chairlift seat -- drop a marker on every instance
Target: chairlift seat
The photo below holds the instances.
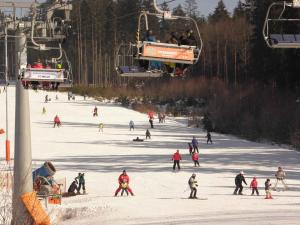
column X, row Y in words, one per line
column 135, row 71
column 49, row 75
column 285, row 40
column 165, row 52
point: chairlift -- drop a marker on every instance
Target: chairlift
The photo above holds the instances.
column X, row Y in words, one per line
column 272, row 37
column 129, row 58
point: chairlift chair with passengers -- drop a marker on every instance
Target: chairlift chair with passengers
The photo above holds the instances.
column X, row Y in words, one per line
column 56, row 33
column 130, row 55
column 276, row 18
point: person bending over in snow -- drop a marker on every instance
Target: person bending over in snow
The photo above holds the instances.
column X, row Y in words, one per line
column 57, row 121
column 254, row 186
column 176, row 158
column 81, row 179
column 73, row 187
column 123, row 178
column 148, row 135
column 193, row 186
column 195, row 158
column 239, row 179
column 268, row 189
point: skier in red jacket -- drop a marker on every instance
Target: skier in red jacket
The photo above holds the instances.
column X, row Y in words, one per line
column 124, row 183
column 254, row 186
column 176, row 158
column 195, row 158
column 57, row 121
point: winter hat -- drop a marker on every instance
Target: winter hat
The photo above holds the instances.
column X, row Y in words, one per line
column 254, row 178
column 242, row 172
column 124, row 171
column 193, row 175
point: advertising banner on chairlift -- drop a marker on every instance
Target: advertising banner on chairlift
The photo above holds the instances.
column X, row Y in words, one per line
column 173, row 53
column 44, row 75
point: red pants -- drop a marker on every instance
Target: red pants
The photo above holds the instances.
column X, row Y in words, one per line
column 120, row 188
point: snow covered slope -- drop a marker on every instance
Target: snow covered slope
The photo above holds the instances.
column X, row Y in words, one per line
column 161, row 195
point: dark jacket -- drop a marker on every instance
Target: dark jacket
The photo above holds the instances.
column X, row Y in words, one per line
column 239, row 179
column 72, row 187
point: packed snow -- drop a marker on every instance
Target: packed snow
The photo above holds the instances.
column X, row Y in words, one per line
column 161, row 195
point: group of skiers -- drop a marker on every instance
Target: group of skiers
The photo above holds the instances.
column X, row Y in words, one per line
column 280, row 176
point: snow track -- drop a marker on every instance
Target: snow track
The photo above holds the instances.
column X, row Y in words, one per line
column 160, row 194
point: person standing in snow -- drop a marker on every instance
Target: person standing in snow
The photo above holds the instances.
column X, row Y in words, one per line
column 190, row 148
column 268, row 189
column 195, row 158
column 239, row 179
column 44, row 111
column 148, row 135
column 195, row 144
column 176, row 159
column 193, row 186
column 131, row 125
column 95, row 112
column 81, row 180
column 123, row 181
column 280, row 176
column 151, row 123
column 101, row 127
column 254, row 186
column 208, row 136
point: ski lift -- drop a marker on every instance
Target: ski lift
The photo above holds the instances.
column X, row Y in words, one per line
column 53, row 73
column 275, row 39
column 130, row 58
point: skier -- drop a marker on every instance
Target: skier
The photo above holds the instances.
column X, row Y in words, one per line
column 195, row 157
column 151, row 123
column 81, row 179
column 124, row 186
column 176, row 158
column 280, row 176
column 101, row 127
column 195, row 144
column 148, row 135
column 190, row 148
column 193, row 186
column 46, row 99
column 95, row 113
column 73, row 187
column 57, row 121
column 208, row 136
column 123, row 178
column 268, row 189
column 44, row 110
column 254, row 186
column 239, row 179
column 131, row 125
column 56, row 97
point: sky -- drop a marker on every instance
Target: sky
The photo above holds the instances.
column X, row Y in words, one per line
column 204, row 6
column 207, row 6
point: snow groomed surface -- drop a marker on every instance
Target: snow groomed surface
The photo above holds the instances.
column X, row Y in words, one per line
column 160, row 194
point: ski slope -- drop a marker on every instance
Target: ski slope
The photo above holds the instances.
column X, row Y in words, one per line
column 160, row 194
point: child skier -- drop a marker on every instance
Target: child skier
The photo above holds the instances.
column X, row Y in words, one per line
column 193, row 186
column 195, row 158
column 190, row 148
column 95, row 112
column 195, row 144
column 131, row 125
column 81, row 179
column 253, row 186
column 101, row 127
column 268, row 189
column 148, row 135
column 57, row 121
column 176, row 158
column 208, row 136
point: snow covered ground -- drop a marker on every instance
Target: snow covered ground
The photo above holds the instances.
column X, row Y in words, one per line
column 161, row 195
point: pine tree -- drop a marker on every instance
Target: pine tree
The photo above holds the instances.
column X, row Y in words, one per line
column 220, row 13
